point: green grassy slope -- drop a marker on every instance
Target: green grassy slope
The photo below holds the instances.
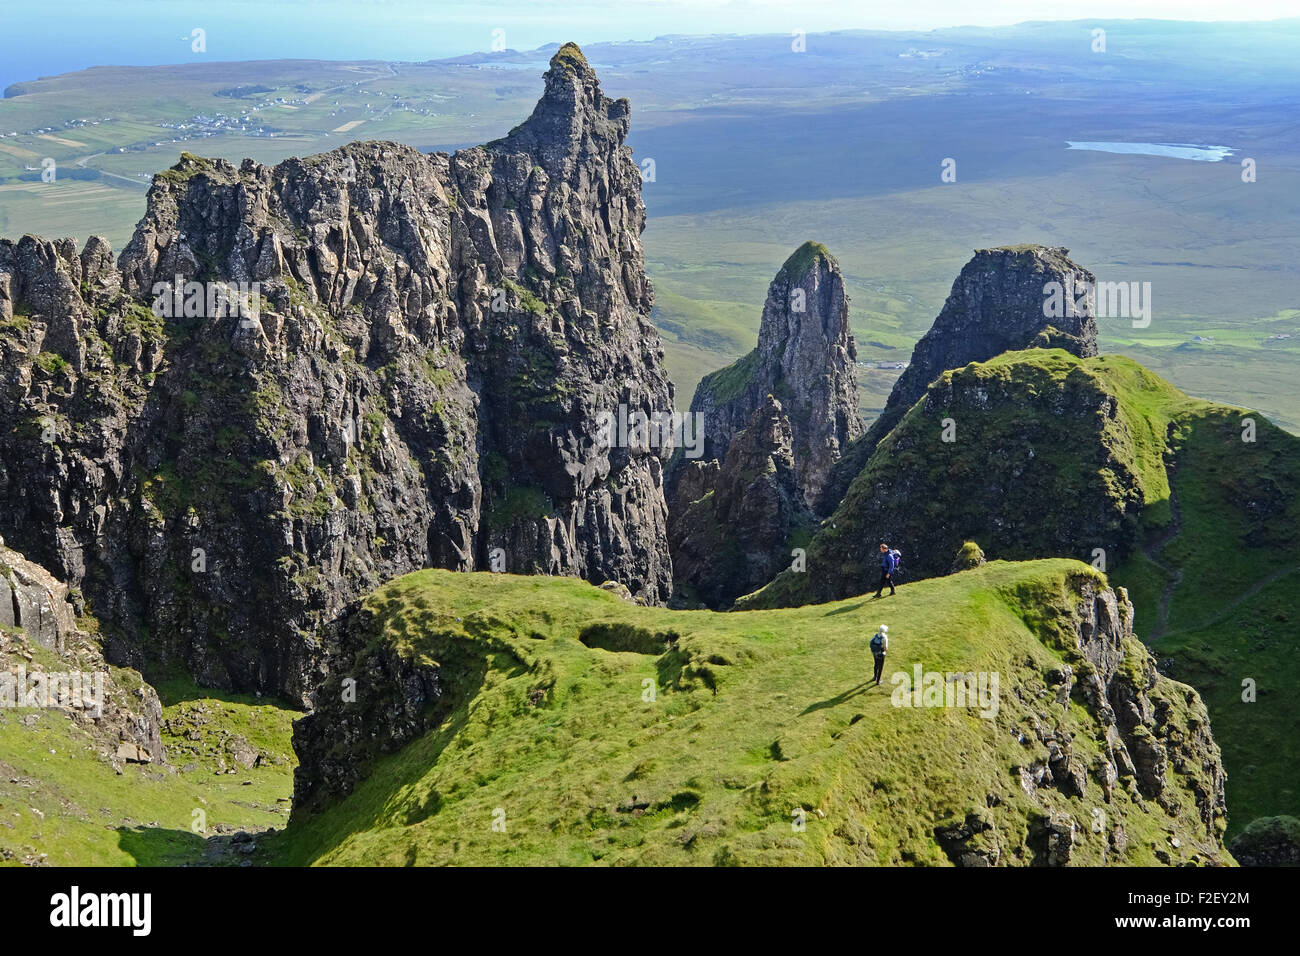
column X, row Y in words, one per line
column 1216, row 593
column 62, row 803
column 1213, row 558
column 551, row 734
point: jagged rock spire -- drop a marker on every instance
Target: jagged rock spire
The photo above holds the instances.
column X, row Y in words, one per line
column 996, row 306
column 805, row 357
column 437, row 338
column 572, row 113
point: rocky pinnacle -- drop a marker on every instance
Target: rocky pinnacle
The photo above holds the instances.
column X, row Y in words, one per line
column 805, row 357
column 435, row 340
column 996, row 305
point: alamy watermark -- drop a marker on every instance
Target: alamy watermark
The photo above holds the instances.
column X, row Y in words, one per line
column 208, row 300
column 624, row 428
column 1082, row 298
column 133, row 911
column 962, row 689
column 77, row 690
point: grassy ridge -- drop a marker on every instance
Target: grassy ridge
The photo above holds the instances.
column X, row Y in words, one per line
column 1213, row 558
column 754, row 715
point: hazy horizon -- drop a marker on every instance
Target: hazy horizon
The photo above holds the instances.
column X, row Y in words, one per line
column 151, row 33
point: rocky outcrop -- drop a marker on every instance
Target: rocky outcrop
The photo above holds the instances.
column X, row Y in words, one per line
column 375, row 702
column 805, row 357
column 416, row 380
column 731, row 525
column 970, row 555
column 33, row 601
column 1268, row 841
column 1155, row 727
column 48, row 661
column 1156, row 754
column 1031, row 458
column 997, row 304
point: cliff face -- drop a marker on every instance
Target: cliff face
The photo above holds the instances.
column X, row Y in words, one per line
column 1153, row 737
column 996, row 305
column 418, row 382
column 34, row 602
column 805, row 357
column 731, row 525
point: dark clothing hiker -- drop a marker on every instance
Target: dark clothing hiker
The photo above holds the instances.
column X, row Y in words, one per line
column 879, row 648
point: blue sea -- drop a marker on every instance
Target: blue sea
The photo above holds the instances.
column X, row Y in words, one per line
column 49, row 37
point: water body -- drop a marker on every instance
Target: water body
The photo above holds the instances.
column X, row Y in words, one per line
column 48, row 37
column 58, row 36
column 1204, row 154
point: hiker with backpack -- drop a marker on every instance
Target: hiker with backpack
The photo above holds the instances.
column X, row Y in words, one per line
column 879, row 648
column 889, row 562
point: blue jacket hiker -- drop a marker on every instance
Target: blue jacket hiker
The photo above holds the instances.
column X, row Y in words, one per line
column 887, row 565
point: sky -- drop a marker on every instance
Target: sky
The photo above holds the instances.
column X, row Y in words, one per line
column 46, row 37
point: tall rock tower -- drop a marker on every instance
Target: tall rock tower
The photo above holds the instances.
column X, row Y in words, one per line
column 805, row 358
column 436, row 339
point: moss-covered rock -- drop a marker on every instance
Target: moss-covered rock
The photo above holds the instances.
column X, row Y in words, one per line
column 996, row 305
column 1269, row 841
column 1033, row 454
column 969, row 555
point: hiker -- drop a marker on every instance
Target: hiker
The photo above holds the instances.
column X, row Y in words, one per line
column 879, row 647
column 887, row 564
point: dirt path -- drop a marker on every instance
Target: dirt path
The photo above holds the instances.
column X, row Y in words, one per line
column 1245, row 596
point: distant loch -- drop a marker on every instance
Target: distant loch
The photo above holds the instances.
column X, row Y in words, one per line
column 1204, row 154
